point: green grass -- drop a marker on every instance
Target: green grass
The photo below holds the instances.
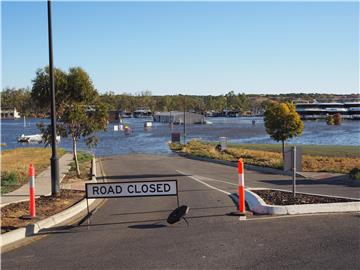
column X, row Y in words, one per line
column 9, row 180
column 84, row 163
column 83, row 156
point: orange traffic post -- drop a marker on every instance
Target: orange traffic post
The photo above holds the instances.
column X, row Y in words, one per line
column 241, row 192
column 32, row 191
column 241, row 187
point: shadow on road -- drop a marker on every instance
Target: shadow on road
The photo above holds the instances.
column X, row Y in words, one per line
column 140, row 176
column 170, row 210
column 139, row 224
column 147, row 226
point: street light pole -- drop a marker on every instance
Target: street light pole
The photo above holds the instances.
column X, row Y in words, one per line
column 184, row 121
column 55, row 186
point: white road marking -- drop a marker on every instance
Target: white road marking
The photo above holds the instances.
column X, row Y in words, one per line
column 215, row 180
column 202, row 182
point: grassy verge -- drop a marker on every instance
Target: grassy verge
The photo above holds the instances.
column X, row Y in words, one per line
column 311, row 150
column 84, row 165
column 315, row 158
column 46, row 206
column 15, row 165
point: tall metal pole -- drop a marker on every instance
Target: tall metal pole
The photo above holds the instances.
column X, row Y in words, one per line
column 184, row 121
column 55, row 185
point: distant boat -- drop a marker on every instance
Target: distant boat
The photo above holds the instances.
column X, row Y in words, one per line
column 30, row 138
column 207, row 122
column 142, row 113
column 36, row 138
column 147, row 124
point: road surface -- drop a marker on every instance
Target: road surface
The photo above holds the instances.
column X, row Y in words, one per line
column 131, row 233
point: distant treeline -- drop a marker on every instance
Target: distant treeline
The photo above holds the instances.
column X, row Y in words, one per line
column 243, row 103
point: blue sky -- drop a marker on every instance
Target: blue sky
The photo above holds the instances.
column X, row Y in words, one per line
column 190, row 48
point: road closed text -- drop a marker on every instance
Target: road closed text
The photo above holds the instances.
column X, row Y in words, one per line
column 133, row 189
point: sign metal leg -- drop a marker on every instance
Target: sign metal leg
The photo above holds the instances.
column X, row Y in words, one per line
column 88, row 213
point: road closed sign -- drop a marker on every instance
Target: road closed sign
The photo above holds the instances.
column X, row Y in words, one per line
column 131, row 189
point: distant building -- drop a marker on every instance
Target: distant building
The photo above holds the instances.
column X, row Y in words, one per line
column 319, row 110
column 142, row 112
column 230, row 113
column 178, row 117
column 9, row 113
column 114, row 116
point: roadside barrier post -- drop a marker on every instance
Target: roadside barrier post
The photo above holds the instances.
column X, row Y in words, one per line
column 241, row 187
column 32, row 191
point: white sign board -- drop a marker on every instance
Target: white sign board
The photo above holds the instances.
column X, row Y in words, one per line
column 131, row 189
column 289, row 159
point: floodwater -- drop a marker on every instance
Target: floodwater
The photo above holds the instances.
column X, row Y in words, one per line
column 155, row 139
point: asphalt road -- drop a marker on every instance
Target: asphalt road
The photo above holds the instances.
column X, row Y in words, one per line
column 131, row 233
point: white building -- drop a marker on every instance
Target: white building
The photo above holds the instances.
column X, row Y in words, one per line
column 8, row 113
column 177, row 117
column 319, row 110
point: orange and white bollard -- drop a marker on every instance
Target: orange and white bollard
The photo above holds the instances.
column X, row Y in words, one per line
column 32, row 191
column 241, row 188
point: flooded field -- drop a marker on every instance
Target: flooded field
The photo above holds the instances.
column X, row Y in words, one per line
column 155, row 139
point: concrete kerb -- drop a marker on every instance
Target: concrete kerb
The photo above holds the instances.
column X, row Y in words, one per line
column 258, row 206
column 32, row 229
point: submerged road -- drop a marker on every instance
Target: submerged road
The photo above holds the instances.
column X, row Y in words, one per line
column 131, row 233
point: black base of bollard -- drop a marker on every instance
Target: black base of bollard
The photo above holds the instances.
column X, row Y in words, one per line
column 238, row 213
column 28, row 217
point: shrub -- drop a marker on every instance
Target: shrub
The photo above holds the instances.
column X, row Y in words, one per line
column 355, row 173
column 9, row 179
column 82, row 156
column 329, row 120
column 175, row 146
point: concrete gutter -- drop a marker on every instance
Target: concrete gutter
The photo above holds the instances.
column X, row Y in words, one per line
column 33, row 229
column 258, row 206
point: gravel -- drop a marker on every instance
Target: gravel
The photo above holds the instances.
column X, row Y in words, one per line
column 276, row 197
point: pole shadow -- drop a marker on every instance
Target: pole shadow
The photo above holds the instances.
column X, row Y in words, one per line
column 140, row 176
column 147, row 226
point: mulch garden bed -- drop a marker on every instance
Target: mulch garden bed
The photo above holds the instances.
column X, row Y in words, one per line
column 46, row 206
column 276, row 197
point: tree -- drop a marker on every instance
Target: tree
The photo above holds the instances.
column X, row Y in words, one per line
column 40, row 92
column 80, row 112
column 231, row 100
column 16, row 98
column 282, row 122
